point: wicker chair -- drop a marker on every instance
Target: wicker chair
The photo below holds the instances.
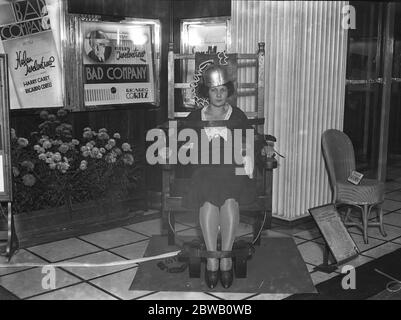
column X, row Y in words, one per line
column 339, row 156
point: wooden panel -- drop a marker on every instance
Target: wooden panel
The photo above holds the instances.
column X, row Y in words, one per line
column 182, row 85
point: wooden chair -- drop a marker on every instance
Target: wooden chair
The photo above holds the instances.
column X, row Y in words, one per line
column 172, row 185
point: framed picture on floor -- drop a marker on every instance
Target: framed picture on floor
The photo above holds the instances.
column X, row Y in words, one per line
column 336, row 235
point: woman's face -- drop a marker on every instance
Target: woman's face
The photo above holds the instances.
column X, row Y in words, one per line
column 218, row 95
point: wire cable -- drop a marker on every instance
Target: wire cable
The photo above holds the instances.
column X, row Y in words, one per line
column 90, row 265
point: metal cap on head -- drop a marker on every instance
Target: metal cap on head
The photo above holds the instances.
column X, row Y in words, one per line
column 215, row 76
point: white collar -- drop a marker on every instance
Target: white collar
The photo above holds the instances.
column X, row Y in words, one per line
column 228, row 114
column 215, row 132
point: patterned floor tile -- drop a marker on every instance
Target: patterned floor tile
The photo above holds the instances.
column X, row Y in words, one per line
column 311, row 252
column 113, row 238
column 190, row 219
column 395, row 195
column 382, row 250
column 360, row 243
column 309, row 234
column 393, row 218
column 119, row 283
column 152, row 227
column 391, row 205
column 64, row 249
column 22, row 256
column 397, row 240
column 132, row 251
column 274, row 234
column 319, row 277
column 310, row 267
column 192, row 232
column 81, row 291
column 374, row 232
column 392, row 186
column 97, row 258
column 319, row 240
column 358, row 261
column 31, row 282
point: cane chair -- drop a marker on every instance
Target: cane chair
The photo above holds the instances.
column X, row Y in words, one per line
column 259, row 214
column 339, row 156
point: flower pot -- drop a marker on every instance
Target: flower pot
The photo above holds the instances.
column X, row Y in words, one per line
column 60, row 223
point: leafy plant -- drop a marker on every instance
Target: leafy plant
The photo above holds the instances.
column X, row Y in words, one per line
column 53, row 168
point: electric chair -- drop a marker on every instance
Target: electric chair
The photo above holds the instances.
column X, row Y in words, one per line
column 259, row 213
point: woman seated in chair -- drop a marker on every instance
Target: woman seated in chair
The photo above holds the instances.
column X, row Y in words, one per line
column 215, row 188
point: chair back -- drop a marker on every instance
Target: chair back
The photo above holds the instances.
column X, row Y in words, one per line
column 252, row 63
column 339, row 156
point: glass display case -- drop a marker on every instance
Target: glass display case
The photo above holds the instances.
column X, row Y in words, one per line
column 364, row 84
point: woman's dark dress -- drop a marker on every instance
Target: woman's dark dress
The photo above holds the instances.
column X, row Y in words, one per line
column 215, row 183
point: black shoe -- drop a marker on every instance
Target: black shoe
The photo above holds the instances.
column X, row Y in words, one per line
column 211, row 278
column 226, row 278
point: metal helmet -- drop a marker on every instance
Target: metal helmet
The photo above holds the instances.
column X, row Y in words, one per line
column 215, row 76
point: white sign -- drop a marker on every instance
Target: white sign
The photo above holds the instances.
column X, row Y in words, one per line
column 27, row 38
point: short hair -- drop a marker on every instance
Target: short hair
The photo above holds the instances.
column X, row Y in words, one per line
column 203, row 90
column 94, row 36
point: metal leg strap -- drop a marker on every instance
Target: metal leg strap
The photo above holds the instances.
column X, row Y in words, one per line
column 195, row 251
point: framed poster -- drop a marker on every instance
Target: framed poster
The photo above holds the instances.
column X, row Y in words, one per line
column 26, row 34
column 5, row 152
column 118, row 63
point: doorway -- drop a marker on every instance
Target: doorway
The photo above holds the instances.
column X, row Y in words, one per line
column 372, row 102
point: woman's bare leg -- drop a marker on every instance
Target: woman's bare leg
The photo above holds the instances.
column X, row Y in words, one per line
column 209, row 222
column 229, row 220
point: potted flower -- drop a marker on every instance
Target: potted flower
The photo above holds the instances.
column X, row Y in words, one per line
column 52, row 169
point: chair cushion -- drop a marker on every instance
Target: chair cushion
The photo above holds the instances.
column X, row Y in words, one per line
column 369, row 191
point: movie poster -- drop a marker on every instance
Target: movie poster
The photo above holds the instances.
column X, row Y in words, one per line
column 118, row 63
column 34, row 65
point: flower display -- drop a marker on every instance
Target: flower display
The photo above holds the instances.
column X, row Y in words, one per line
column 28, row 165
column 126, row 146
column 29, row 180
column 23, row 142
column 54, row 168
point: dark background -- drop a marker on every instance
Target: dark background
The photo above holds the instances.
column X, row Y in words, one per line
column 131, row 121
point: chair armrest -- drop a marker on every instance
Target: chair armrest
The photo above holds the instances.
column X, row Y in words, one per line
column 168, row 175
column 167, row 167
column 270, row 164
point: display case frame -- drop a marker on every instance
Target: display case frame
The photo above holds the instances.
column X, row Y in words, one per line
column 5, row 144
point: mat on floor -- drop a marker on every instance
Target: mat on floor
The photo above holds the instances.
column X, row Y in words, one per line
column 369, row 283
column 276, row 267
column 6, row 295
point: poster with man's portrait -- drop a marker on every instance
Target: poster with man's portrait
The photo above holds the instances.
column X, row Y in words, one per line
column 118, row 63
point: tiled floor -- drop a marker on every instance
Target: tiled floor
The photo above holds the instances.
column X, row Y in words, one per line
column 130, row 242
